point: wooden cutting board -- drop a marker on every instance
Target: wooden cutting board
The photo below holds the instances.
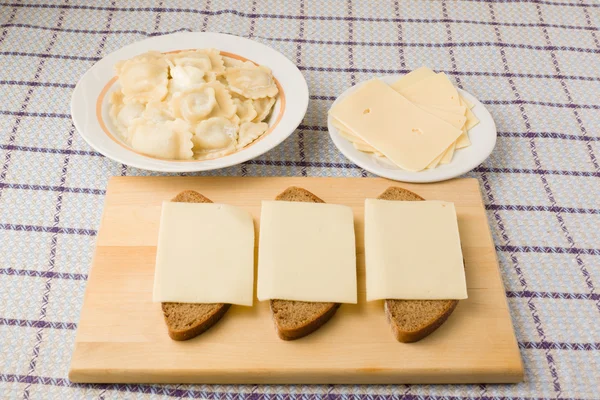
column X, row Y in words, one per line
column 121, row 336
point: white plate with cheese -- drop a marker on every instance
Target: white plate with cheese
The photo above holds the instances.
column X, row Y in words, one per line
column 167, row 142
column 476, row 147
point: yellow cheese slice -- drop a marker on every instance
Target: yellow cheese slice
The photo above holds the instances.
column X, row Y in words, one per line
column 409, row 136
column 412, row 251
column 472, row 120
column 205, row 254
column 448, row 154
column 436, row 161
column 413, row 77
column 357, row 142
column 437, row 91
column 466, row 102
column 463, row 140
column 455, row 117
column 306, row 252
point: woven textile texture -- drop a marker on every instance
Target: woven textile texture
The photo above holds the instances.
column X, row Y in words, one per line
column 534, row 63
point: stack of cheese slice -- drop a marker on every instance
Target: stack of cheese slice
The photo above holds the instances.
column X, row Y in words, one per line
column 416, row 122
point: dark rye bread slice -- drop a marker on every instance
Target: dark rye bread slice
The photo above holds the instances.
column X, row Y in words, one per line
column 188, row 320
column 295, row 319
column 412, row 320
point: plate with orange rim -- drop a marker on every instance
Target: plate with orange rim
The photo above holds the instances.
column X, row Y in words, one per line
column 90, row 107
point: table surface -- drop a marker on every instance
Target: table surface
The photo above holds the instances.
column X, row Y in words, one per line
column 533, row 63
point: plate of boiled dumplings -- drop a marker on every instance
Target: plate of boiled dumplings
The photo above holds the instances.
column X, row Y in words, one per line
column 189, row 102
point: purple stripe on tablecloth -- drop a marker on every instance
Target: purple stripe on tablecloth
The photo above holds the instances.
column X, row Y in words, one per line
column 547, row 250
column 251, row 15
column 49, row 188
column 502, row 102
column 396, row 20
column 448, row 72
column 433, row 45
column 29, row 323
column 48, row 229
column 553, row 209
column 552, row 295
column 38, row 84
column 51, row 151
column 301, row 151
column 34, row 114
column 46, row 55
column 43, row 274
column 537, row 171
column 357, row 43
column 560, row 346
column 547, row 135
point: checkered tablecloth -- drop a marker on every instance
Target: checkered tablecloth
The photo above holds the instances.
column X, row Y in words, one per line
column 534, row 63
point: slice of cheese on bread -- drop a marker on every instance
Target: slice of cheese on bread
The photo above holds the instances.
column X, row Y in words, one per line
column 295, row 319
column 412, row 320
column 188, row 320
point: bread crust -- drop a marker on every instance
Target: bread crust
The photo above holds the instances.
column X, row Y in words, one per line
column 294, row 193
column 208, row 313
column 403, row 335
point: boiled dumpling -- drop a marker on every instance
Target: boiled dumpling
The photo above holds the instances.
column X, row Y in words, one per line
column 185, row 76
column 249, row 132
column 214, row 134
column 143, row 78
column 263, row 108
column 253, row 82
column 231, row 62
column 122, row 115
column 170, row 139
column 207, row 60
column 195, row 103
column 244, row 110
column 158, row 111
column 224, row 107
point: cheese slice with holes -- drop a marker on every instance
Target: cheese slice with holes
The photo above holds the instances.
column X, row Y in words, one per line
column 406, row 134
column 412, row 251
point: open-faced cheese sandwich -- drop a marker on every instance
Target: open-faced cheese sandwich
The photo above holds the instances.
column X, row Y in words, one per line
column 304, row 284
column 197, row 276
column 418, row 271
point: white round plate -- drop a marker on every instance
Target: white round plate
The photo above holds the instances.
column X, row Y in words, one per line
column 90, row 108
column 482, row 136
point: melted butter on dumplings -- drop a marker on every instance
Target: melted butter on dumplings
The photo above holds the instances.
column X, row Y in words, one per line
column 253, row 82
column 184, row 76
column 169, row 139
column 143, row 78
column 195, row 103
